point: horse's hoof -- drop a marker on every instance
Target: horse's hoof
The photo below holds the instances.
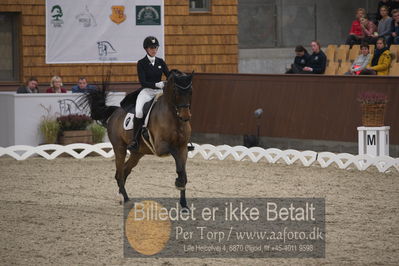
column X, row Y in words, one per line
column 119, row 198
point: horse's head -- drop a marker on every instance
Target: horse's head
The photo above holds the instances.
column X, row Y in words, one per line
column 180, row 89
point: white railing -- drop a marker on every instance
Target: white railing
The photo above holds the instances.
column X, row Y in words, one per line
column 209, row 152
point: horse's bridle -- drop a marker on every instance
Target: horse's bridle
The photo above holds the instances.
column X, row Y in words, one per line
column 181, row 106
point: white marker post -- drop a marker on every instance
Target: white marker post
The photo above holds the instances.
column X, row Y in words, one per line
column 374, row 141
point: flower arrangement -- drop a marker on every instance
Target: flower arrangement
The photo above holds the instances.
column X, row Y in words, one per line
column 372, row 98
column 74, row 122
column 372, row 106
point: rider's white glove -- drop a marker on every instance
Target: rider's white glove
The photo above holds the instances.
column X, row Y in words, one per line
column 160, row 85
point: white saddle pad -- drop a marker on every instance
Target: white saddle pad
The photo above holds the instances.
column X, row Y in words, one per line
column 129, row 118
column 128, row 122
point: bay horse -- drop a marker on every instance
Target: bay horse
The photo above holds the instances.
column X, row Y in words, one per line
column 168, row 124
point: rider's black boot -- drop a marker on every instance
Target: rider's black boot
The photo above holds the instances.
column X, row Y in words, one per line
column 138, row 125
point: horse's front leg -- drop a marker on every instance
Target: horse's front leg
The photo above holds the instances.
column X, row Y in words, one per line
column 180, row 156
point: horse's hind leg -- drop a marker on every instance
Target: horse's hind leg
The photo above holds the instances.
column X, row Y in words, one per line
column 120, row 156
column 131, row 163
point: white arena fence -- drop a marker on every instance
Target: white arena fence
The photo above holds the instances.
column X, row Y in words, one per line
column 209, row 152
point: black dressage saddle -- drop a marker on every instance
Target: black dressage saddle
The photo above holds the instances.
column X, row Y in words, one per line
column 129, row 103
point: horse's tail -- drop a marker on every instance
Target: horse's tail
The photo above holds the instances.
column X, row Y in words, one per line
column 96, row 101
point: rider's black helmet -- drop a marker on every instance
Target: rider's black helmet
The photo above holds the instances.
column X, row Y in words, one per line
column 150, row 41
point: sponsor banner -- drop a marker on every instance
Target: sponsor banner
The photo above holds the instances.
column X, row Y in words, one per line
column 225, row 228
column 98, row 31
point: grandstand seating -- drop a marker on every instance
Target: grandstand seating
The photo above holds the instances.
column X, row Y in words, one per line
column 340, row 59
column 394, row 49
column 331, row 68
column 354, row 52
column 343, row 68
column 394, row 70
column 342, row 53
column 330, row 52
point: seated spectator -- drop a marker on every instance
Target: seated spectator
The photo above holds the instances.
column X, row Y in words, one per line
column 82, row 86
column 56, row 85
column 30, row 87
column 369, row 30
column 361, row 61
column 317, row 60
column 356, row 33
column 395, row 27
column 387, row 4
column 380, row 62
column 384, row 25
column 300, row 61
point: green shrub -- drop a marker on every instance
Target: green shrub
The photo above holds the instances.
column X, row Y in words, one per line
column 49, row 126
column 98, row 132
column 49, row 129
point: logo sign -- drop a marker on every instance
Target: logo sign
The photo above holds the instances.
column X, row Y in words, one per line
column 118, row 14
column 86, row 19
column 68, row 107
column 105, row 48
column 56, row 14
column 148, row 15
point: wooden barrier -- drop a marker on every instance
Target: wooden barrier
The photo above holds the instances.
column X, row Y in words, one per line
column 315, row 107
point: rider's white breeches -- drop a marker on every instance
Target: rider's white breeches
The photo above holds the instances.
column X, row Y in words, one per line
column 144, row 96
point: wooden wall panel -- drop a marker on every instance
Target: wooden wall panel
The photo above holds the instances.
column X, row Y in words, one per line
column 314, row 107
column 205, row 41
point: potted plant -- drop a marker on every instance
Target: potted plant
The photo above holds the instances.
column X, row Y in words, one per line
column 98, row 132
column 49, row 127
column 372, row 105
column 74, row 129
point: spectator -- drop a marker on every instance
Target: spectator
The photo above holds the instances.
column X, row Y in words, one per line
column 356, row 34
column 31, row 86
column 300, row 61
column 380, row 62
column 387, row 4
column 361, row 61
column 317, row 60
column 385, row 24
column 395, row 27
column 82, row 86
column 369, row 30
column 56, row 85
